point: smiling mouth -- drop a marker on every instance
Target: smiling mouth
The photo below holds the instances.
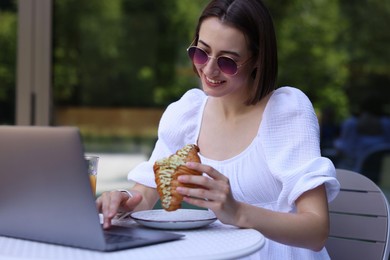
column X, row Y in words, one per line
column 213, row 81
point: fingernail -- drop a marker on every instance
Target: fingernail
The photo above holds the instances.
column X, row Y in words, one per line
column 190, row 164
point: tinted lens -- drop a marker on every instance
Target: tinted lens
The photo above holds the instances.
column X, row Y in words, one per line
column 197, row 55
column 200, row 57
column 227, row 65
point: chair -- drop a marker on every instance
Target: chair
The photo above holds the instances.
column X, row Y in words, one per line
column 359, row 220
column 375, row 164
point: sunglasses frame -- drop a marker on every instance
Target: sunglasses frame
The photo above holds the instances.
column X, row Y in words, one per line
column 215, row 58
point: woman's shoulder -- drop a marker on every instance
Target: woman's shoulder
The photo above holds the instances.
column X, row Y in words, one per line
column 192, row 95
column 191, row 101
column 287, row 100
column 290, row 94
column 180, row 121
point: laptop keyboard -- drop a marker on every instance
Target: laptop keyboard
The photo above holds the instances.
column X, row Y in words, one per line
column 116, row 238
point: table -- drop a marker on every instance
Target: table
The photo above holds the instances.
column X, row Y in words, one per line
column 216, row 241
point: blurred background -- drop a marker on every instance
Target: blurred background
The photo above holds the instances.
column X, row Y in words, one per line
column 110, row 67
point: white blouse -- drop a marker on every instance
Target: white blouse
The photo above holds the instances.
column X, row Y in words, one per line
column 282, row 162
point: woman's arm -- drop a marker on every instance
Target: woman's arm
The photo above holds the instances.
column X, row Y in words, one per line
column 307, row 228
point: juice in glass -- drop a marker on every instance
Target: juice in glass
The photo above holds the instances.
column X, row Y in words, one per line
column 92, row 179
column 92, row 165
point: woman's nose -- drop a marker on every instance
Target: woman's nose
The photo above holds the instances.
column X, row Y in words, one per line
column 211, row 67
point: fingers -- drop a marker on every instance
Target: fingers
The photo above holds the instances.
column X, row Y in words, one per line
column 110, row 203
column 217, row 181
column 216, row 194
column 206, row 169
column 213, row 192
column 214, row 189
column 132, row 202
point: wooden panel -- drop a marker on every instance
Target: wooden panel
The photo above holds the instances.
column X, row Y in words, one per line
column 371, row 203
column 359, row 227
column 24, row 62
column 34, row 62
column 343, row 249
column 111, row 121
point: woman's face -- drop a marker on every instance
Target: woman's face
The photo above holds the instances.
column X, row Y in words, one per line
column 218, row 39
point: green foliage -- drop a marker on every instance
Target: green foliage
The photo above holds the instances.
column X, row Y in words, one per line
column 122, row 53
column 8, row 52
column 366, row 42
column 8, row 27
column 131, row 53
column 310, row 53
column 141, row 47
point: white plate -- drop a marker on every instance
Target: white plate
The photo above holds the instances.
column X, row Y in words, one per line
column 178, row 219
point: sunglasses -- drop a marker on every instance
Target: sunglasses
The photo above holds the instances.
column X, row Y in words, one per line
column 226, row 64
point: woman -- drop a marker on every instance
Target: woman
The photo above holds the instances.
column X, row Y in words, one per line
column 259, row 146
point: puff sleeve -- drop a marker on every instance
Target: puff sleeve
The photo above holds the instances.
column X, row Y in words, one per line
column 178, row 126
column 291, row 145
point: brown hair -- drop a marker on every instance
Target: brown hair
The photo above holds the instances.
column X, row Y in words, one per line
column 253, row 19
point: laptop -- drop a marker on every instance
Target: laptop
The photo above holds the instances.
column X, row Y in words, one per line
column 46, row 196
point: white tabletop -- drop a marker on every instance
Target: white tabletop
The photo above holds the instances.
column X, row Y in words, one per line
column 216, row 241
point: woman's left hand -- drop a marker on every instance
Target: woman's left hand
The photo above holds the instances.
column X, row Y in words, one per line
column 215, row 193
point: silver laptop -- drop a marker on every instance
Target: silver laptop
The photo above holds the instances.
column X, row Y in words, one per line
column 45, row 193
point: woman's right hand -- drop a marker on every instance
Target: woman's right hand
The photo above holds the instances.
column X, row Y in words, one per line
column 112, row 202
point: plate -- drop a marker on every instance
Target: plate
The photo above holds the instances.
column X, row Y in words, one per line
column 178, row 219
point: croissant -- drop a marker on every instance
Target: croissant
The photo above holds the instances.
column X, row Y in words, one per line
column 166, row 172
